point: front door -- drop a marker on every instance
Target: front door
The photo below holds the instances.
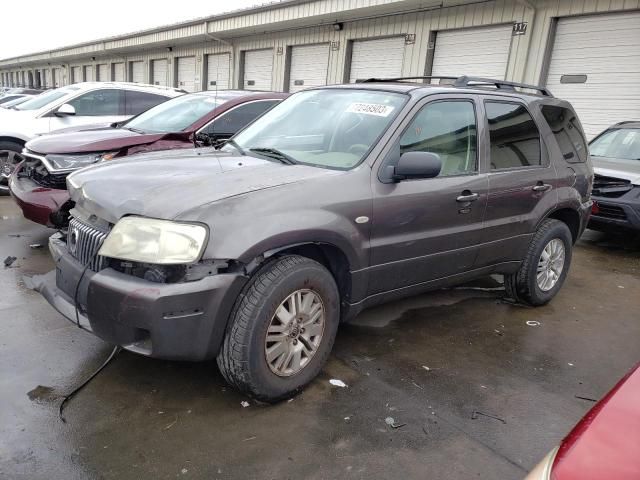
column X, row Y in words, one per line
column 96, row 107
column 429, row 229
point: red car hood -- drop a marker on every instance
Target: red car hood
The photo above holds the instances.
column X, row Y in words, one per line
column 606, row 442
column 102, row 140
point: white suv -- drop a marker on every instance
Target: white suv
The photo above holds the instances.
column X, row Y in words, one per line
column 90, row 103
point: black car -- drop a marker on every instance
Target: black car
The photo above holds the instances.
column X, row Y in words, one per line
column 337, row 199
column 616, row 187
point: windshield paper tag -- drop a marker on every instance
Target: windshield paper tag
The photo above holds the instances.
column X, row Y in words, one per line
column 370, row 109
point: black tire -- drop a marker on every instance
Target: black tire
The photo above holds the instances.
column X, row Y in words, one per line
column 523, row 286
column 14, row 147
column 242, row 359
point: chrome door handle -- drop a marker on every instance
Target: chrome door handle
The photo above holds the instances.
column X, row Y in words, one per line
column 541, row 187
column 468, row 197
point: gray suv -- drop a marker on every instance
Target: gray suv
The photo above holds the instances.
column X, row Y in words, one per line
column 337, row 199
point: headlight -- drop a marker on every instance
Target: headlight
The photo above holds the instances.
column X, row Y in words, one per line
column 72, row 162
column 148, row 240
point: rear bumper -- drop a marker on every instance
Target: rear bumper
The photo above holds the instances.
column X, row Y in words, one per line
column 617, row 213
column 181, row 321
column 37, row 203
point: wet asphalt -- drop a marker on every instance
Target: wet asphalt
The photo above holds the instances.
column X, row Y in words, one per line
column 476, row 387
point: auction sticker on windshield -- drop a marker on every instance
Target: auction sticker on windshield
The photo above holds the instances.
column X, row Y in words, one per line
column 370, row 109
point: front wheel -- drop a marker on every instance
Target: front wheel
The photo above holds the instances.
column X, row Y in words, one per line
column 545, row 266
column 282, row 329
column 10, row 157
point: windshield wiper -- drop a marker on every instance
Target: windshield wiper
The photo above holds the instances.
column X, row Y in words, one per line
column 136, row 130
column 276, row 154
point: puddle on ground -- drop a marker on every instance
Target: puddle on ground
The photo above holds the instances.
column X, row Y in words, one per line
column 43, row 394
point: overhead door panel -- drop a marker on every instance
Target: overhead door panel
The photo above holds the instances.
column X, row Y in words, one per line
column 480, row 52
column 56, row 77
column 602, row 54
column 137, row 72
column 159, row 72
column 88, row 73
column 218, row 72
column 381, row 58
column 103, row 73
column 258, row 68
column 118, row 72
column 308, row 67
column 187, row 73
column 76, row 75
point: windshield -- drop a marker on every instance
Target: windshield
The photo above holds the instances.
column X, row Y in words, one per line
column 328, row 128
column 174, row 115
column 620, row 143
column 46, row 98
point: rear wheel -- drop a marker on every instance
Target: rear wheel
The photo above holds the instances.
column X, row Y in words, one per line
column 282, row 329
column 545, row 266
column 10, row 157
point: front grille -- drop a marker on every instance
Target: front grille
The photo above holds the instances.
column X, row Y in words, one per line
column 610, row 187
column 610, row 211
column 83, row 242
column 35, row 169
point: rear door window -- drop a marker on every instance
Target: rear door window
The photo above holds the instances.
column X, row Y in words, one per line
column 138, row 102
column 514, row 136
column 238, row 117
column 566, row 129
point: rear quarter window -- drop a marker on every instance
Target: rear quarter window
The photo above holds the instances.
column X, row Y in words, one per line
column 564, row 124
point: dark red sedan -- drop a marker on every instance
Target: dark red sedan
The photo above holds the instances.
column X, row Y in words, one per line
column 605, row 444
column 38, row 184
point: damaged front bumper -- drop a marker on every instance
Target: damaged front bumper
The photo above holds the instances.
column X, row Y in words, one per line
column 176, row 321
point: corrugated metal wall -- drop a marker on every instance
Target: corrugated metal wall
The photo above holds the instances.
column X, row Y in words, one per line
column 526, row 58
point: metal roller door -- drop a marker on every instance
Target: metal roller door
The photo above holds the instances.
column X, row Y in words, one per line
column 308, row 67
column 258, row 69
column 159, row 72
column 102, row 73
column 137, row 72
column 76, row 75
column 88, row 73
column 118, row 72
column 187, row 73
column 595, row 64
column 56, row 77
column 376, row 58
column 481, row 52
column 218, row 72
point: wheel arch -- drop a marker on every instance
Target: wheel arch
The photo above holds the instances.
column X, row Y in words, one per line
column 570, row 217
column 9, row 138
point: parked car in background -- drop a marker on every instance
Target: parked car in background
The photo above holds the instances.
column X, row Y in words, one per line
column 203, row 118
column 336, row 199
column 605, row 444
column 12, row 96
column 75, row 105
column 17, row 101
column 22, row 91
column 616, row 187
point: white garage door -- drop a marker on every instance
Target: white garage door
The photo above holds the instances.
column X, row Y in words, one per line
column 187, row 73
column 605, row 49
column 56, row 77
column 137, row 72
column 218, row 72
column 88, row 73
column 118, row 72
column 159, row 72
column 308, row 68
column 258, row 68
column 481, row 52
column 103, row 73
column 380, row 58
column 76, row 75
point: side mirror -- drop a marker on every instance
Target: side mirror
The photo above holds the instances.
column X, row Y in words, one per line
column 65, row 110
column 414, row 165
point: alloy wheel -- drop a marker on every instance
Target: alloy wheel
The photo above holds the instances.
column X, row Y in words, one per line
column 295, row 332
column 550, row 264
column 8, row 162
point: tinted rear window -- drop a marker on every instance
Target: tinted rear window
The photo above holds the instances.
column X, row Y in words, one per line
column 569, row 136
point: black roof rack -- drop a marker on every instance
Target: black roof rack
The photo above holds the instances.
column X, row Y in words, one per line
column 467, row 81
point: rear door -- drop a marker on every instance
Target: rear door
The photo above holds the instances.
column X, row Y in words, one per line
column 522, row 180
column 429, row 229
